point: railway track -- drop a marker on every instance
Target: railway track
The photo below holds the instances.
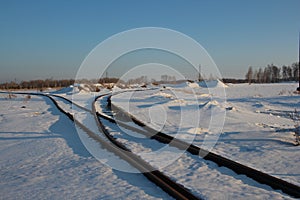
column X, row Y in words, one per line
column 164, row 182
column 260, row 177
column 176, row 190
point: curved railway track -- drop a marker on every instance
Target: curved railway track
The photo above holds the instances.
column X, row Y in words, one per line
column 260, row 177
column 164, row 182
column 171, row 187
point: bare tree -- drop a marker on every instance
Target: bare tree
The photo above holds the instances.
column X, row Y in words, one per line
column 249, row 75
column 295, row 74
column 260, row 75
column 285, row 73
column 275, row 71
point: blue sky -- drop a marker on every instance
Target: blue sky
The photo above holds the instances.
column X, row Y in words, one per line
column 44, row 39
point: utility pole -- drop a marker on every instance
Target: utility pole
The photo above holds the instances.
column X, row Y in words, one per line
column 199, row 76
column 298, row 89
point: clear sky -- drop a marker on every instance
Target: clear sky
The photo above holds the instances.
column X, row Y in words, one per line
column 44, row 39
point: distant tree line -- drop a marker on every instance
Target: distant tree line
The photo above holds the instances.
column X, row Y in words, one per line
column 37, row 84
column 109, row 80
column 233, row 80
column 269, row 74
column 167, row 78
column 145, row 80
column 273, row 74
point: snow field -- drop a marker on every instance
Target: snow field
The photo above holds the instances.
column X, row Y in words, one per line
column 257, row 131
column 42, row 157
column 43, row 154
column 204, row 178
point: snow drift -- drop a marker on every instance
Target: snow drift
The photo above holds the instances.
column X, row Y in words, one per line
column 212, row 84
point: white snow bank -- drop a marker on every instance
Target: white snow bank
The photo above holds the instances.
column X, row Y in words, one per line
column 163, row 94
column 212, row 84
column 79, row 88
column 198, row 130
column 203, row 84
column 210, row 104
column 65, row 90
column 193, row 85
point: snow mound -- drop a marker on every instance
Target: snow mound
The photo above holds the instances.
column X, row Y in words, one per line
column 66, row 90
column 213, row 104
column 178, row 101
column 210, row 104
column 178, row 85
column 116, row 88
column 204, row 95
column 187, row 84
column 78, row 88
column 212, row 84
column 193, row 85
column 198, row 130
column 162, row 94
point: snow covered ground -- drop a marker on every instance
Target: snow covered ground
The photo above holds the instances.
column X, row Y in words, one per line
column 44, row 156
column 257, row 131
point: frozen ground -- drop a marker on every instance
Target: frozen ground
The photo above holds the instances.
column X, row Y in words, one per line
column 42, row 157
column 257, row 131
